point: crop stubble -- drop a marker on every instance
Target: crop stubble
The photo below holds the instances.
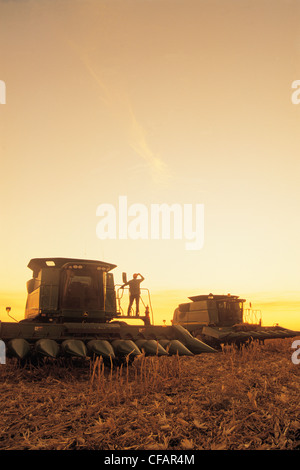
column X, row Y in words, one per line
column 233, row 400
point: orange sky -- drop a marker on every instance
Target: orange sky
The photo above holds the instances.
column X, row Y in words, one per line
column 182, row 101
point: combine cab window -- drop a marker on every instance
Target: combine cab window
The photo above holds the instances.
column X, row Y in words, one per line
column 230, row 312
column 82, row 289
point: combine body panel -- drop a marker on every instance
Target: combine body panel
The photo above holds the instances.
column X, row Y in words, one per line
column 219, row 319
column 71, row 310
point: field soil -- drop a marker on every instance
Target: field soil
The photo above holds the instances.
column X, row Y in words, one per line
column 245, row 399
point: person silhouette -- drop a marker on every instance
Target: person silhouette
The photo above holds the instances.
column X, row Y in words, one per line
column 134, row 292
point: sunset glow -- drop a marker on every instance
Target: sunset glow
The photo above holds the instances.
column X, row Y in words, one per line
column 164, row 102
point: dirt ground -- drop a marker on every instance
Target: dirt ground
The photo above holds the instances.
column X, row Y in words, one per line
column 244, row 399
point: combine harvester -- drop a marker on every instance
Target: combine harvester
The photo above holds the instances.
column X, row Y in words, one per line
column 221, row 319
column 70, row 311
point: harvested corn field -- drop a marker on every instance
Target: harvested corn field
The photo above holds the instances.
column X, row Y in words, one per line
column 234, row 400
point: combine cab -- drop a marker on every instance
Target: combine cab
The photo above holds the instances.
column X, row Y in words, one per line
column 220, row 319
column 73, row 310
